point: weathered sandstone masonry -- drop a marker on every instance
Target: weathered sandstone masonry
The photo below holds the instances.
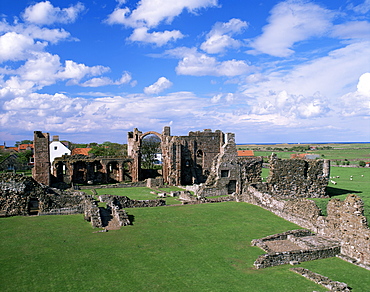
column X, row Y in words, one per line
column 230, row 174
column 344, row 223
column 90, row 169
column 321, row 280
column 21, row 195
column 125, row 202
column 298, row 178
column 41, row 169
column 186, row 159
column 293, row 247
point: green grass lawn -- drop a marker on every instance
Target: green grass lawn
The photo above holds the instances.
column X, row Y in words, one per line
column 182, row 248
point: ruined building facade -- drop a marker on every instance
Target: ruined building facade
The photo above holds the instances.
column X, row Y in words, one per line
column 186, row 160
column 205, row 158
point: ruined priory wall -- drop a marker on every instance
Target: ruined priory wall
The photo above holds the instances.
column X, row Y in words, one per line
column 345, row 221
column 298, row 178
column 17, row 191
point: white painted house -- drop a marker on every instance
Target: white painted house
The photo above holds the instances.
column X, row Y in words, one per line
column 57, row 149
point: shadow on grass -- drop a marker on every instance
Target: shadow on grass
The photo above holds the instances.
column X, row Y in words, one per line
column 332, row 192
column 131, row 218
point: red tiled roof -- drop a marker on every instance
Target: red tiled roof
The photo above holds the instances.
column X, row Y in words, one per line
column 245, row 153
column 25, row 146
column 12, row 148
column 83, row 151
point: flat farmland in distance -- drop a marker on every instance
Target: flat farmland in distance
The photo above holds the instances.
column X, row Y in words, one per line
column 351, row 152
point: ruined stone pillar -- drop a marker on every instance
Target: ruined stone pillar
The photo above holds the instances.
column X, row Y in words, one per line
column 133, row 151
column 178, row 164
column 41, row 169
column 120, row 172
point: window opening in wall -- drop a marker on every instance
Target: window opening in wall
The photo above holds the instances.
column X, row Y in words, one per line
column 225, row 173
column 55, row 147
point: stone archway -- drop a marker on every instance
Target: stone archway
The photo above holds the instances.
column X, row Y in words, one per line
column 150, row 155
column 134, row 148
column 113, row 172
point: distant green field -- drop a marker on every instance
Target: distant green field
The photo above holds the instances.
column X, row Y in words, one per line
column 360, row 185
column 351, row 152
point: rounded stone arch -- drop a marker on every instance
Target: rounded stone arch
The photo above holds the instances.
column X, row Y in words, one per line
column 151, row 133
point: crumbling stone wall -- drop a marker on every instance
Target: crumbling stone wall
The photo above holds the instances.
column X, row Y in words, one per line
column 292, row 247
column 41, row 169
column 321, row 280
column 90, row 169
column 345, row 221
column 282, row 258
column 186, row 159
column 126, row 202
column 298, row 178
column 19, row 193
column 230, row 173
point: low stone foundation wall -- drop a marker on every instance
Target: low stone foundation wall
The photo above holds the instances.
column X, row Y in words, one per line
column 194, row 200
column 280, row 236
column 321, row 280
column 282, row 258
column 125, row 202
column 64, row 211
column 117, row 185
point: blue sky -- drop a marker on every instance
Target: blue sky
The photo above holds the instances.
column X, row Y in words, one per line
column 268, row 71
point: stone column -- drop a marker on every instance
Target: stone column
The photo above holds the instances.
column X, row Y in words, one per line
column 41, row 169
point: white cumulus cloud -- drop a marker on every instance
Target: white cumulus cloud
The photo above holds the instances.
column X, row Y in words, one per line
column 358, row 102
column 14, row 46
column 149, row 14
column 141, row 34
column 197, row 64
column 45, row 13
column 160, row 85
column 220, row 37
column 103, row 81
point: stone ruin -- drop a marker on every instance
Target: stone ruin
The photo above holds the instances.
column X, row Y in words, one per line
column 186, row 160
column 81, row 169
column 294, row 246
column 298, row 178
column 23, row 196
column 208, row 161
column 345, row 222
column 229, row 173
